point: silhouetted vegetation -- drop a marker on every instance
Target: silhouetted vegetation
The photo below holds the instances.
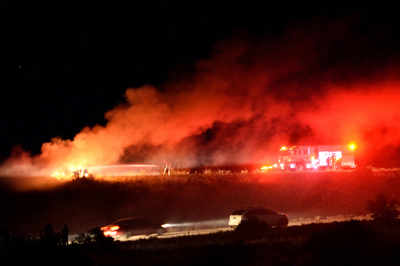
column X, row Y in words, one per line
column 382, row 208
column 94, row 235
column 345, row 243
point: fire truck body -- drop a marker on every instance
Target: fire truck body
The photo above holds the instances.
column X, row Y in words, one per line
column 316, row 157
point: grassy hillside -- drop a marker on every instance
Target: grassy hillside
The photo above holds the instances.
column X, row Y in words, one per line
column 85, row 204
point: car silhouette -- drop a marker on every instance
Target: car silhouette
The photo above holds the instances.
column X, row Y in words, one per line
column 262, row 214
column 125, row 228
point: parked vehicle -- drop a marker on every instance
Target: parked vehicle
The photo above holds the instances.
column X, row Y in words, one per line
column 329, row 157
column 132, row 226
column 272, row 218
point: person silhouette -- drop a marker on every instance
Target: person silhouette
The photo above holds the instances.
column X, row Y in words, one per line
column 64, row 235
column 48, row 231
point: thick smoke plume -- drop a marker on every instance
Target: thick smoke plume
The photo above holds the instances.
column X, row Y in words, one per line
column 319, row 82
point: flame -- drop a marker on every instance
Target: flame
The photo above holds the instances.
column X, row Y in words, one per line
column 265, row 168
column 103, row 171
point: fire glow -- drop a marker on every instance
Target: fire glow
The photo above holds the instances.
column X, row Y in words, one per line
column 245, row 101
column 110, row 170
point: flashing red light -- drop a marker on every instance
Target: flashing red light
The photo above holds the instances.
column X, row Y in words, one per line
column 110, row 230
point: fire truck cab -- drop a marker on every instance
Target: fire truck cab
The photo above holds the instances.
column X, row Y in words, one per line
column 330, row 157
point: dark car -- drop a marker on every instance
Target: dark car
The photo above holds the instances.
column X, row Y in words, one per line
column 262, row 214
column 128, row 227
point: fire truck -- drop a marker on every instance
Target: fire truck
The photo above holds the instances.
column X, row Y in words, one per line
column 329, row 157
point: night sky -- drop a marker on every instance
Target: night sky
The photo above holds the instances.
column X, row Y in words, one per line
column 213, row 82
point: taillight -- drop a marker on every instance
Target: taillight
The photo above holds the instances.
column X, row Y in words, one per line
column 110, row 230
column 110, row 233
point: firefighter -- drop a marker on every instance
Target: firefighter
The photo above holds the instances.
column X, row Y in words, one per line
column 164, row 165
column 334, row 161
column 64, row 235
column 339, row 163
column 76, row 174
column 48, row 231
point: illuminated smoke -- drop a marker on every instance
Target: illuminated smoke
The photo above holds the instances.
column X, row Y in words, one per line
column 319, row 82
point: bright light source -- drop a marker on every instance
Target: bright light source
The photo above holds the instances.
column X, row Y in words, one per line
column 352, row 147
column 264, row 168
column 110, row 233
column 202, row 224
column 283, row 149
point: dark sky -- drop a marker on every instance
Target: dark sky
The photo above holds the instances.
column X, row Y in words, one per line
column 65, row 64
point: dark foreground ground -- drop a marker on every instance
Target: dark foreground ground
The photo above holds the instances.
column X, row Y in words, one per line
column 27, row 205
column 345, row 243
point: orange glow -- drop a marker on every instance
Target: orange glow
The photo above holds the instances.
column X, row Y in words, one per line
column 58, row 176
column 265, row 168
column 110, row 230
column 110, row 233
column 208, row 113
